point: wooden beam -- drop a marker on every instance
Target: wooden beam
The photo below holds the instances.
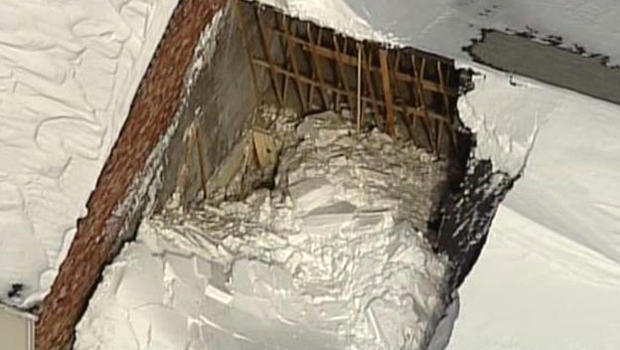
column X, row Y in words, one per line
column 313, row 76
column 387, row 90
column 265, row 148
column 311, row 91
column 283, row 46
column 371, row 88
column 402, row 117
column 293, row 60
column 358, row 106
column 420, row 91
column 343, row 77
column 446, row 103
column 352, row 61
column 266, row 46
column 393, row 103
column 415, row 98
column 316, row 66
column 409, row 110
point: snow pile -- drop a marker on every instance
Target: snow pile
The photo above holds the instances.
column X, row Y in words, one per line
column 68, row 73
column 327, row 259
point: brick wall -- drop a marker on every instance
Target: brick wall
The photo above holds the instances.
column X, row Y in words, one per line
column 152, row 113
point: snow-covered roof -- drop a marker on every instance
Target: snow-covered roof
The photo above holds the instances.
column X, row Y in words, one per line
column 68, row 73
column 445, row 26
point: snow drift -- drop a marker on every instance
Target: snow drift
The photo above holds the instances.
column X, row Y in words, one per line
column 68, row 73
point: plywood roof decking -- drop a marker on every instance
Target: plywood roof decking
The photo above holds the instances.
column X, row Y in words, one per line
column 316, row 68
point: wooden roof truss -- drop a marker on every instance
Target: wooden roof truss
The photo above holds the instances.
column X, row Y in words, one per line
column 314, row 68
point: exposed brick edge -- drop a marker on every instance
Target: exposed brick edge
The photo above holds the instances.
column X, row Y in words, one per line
column 152, row 112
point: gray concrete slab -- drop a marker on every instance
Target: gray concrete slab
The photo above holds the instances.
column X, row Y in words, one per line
column 548, row 64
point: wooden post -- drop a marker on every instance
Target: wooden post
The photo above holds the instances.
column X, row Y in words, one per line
column 316, row 66
column 371, row 88
column 387, row 90
column 396, row 74
column 340, row 65
column 418, row 79
column 359, row 87
column 291, row 55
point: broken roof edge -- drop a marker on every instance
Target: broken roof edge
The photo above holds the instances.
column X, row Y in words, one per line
column 360, row 30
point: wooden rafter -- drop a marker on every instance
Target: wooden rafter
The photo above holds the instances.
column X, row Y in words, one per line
column 409, row 110
column 358, row 106
column 328, row 53
column 387, row 91
column 284, row 46
column 422, row 99
column 446, row 102
column 370, row 85
column 341, row 73
column 293, row 60
column 404, row 118
column 307, row 61
column 315, row 63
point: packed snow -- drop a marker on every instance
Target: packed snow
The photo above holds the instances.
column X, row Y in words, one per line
column 329, row 259
column 68, row 73
column 535, row 289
